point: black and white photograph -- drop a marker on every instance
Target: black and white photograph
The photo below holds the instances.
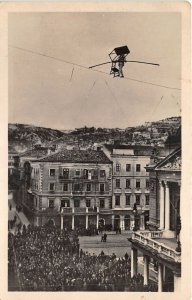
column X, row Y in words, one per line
column 95, row 152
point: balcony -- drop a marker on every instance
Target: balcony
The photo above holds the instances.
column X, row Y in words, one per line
column 66, row 210
column 52, row 191
column 148, row 240
column 64, row 178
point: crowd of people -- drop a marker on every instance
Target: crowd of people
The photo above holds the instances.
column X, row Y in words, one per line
column 50, row 259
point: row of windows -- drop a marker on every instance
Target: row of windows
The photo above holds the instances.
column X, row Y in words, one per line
column 87, row 174
column 66, row 203
column 35, row 171
column 129, row 167
column 128, row 200
column 128, row 183
column 77, row 187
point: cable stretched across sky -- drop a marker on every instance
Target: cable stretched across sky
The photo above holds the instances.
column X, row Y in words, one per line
column 87, row 68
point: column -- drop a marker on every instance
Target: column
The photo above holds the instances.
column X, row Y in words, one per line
column 87, row 220
column 73, row 222
column 146, row 270
column 61, row 222
column 167, row 207
column 37, row 221
column 97, row 221
column 160, row 278
column 142, row 222
column 177, row 283
column 113, row 217
column 133, row 262
column 162, row 205
column 122, row 222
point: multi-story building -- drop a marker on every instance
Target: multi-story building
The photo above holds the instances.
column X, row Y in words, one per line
column 130, row 184
column 161, row 245
column 11, row 155
column 71, row 187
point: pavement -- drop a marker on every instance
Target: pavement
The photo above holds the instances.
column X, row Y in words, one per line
column 116, row 243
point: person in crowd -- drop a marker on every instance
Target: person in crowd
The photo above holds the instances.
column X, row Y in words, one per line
column 48, row 259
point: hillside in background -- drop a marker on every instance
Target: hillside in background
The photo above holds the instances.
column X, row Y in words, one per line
column 22, row 137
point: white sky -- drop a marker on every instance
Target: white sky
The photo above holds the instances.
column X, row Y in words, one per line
column 40, row 90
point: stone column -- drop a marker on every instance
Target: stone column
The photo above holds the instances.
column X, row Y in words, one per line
column 61, row 222
column 177, row 283
column 162, row 206
column 86, row 221
column 73, row 222
column 122, row 222
column 113, row 217
column 160, row 278
column 142, row 222
column 167, row 207
column 97, row 221
column 146, row 269
column 133, row 262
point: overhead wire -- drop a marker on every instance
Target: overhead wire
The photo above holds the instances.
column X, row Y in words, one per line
column 87, row 68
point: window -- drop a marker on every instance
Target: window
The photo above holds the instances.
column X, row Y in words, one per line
column 51, row 186
column 147, row 200
column 77, row 187
column 137, row 183
column 138, row 167
column 117, row 200
column 65, row 203
column 128, row 183
column 147, row 183
column 66, row 173
column 102, row 187
column 76, row 203
column 51, row 172
column 128, row 167
column 128, row 200
column 88, row 203
column 88, row 187
column 118, row 167
column 102, row 173
column 65, row 187
column 102, row 203
column 51, row 203
column 117, row 183
column 138, row 199
column 77, row 173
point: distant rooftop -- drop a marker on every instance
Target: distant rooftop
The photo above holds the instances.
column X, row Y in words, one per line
column 34, row 153
column 77, row 156
column 138, row 149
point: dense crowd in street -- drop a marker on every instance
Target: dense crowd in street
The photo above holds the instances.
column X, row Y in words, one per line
column 49, row 259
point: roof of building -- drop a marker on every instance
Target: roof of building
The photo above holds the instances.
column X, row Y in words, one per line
column 77, row 156
column 138, row 149
column 34, row 153
column 172, row 162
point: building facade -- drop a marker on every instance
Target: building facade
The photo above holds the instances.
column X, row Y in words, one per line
column 72, row 188
column 161, row 245
column 130, row 184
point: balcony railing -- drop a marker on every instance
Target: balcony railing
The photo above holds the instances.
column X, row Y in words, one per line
column 146, row 240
